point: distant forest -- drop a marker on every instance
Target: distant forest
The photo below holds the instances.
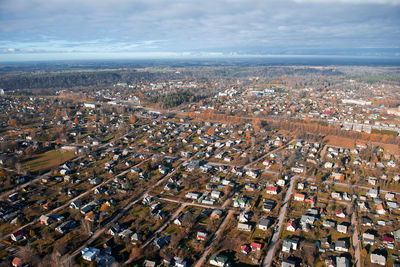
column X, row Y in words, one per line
column 72, row 79
column 69, row 79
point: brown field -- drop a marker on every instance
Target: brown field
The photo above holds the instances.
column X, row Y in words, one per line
column 346, row 142
column 389, row 148
column 47, row 160
column 339, row 141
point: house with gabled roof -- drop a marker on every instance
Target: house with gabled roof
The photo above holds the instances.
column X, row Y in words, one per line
column 378, row 258
column 264, row 223
column 255, row 246
column 340, row 213
column 299, row 197
column 219, row 260
column 380, row 209
column 244, row 227
column 342, row 246
column 368, row 239
column 272, row 190
column 245, row 249
column 241, row 202
column 291, row 226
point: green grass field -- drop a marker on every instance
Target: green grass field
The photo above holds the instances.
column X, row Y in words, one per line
column 47, row 160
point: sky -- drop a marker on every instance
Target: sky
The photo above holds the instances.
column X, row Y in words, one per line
column 108, row 29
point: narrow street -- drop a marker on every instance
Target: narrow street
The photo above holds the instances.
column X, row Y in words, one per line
column 282, row 213
column 208, row 249
column 356, row 242
column 100, row 231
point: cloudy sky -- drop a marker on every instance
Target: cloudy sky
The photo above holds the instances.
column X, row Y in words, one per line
column 72, row 29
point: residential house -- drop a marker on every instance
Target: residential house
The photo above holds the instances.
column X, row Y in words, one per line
column 328, row 165
column 329, row 224
column 291, row 226
column 289, row 244
column 245, row 249
column 149, row 263
column 336, row 195
column 397, row 235
column 76, row 204
column 216, row 194
column 325, row 242
column 125, row 233
column 115, row 229
column 66, row 226
column 219, row 260
column 372, row 180
column 264, row 223
column 281, row 182
column 342, row 246
column 341, row 228
column 90, row 253
column 17, row 262
column 300, row 186
column 179, row 219
column 378, row 259
column 368, row 239
column 216, row 214
column 337, row 176
column 342, row 262
column 253, row 174
column 380, row 210
column 310, row 200
column 288, row 263
column 255, row 246
column 268, row 204
column 160, row 242
column 340, row 214
column 244, row 227
column 307, row 219
column 46, row 220
column 365, row 221
column 192, row 195
column 180, row 263
column 272, row 190
column 299, row 197
column 245, row 216
column 202, row 236
column 373, row 193
column 388, row 239
column 297, row 170
column 19, row 235
column 136, row 238
column 241, row 202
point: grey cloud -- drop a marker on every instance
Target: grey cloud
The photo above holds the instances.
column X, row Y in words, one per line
column 195, row 26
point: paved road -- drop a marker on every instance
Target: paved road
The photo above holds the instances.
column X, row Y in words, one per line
column 356, row 244
column 282, row 213
column 323, row 152
column 208, row 249
column 195, row 204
